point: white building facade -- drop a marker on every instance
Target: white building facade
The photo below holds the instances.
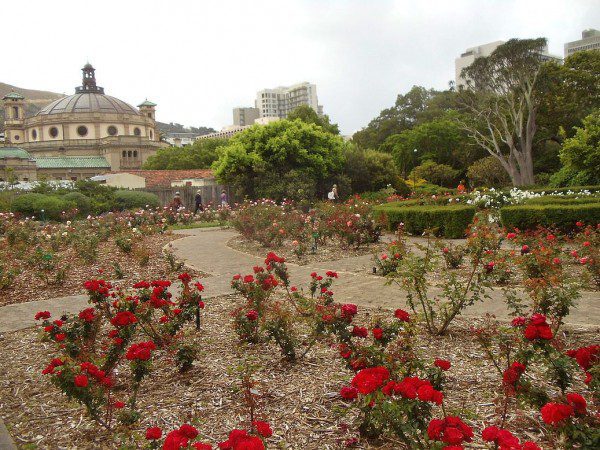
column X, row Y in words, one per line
column 280, row 101
column 590, row 40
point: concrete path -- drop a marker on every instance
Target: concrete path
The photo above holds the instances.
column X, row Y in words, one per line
column 206, row 250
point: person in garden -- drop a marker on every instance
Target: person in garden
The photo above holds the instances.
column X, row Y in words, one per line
column 224, row 199
column 461, row 187
column 198, row 202
column 333, row 194
column 176, row 203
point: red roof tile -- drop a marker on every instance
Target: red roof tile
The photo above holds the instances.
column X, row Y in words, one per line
column 165, row 177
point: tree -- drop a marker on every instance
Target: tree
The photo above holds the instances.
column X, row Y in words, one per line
column 199, row 155
column 502, row 102
column 308, row 115
column 441, row 140
column 370, row 170
column 580, row 154
column 402, row 116
column 286, row 158
column 568, row 93
column 487, row 172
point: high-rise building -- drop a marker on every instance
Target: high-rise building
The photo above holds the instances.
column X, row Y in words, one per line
column 245, row 116
column 280, row 101
column 471, row 54
column 590, row 40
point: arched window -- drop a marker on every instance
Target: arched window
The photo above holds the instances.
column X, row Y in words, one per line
column 34, row 134
column 129, row 154
column 151, row 135
column 135, row 153
column 124, row 154
column 15, row 112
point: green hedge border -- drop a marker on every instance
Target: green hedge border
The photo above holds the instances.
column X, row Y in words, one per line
column 563, row 217
column 448, row 221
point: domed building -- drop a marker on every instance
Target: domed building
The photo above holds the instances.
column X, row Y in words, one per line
column 81, row 135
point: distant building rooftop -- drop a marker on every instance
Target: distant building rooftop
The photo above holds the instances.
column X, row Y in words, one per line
column 14, row 152
column 71, row 162
column 164, row 178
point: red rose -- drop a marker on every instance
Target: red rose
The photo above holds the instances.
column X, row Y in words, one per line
column 201, row 304
column 578, row 403
column 360, row 332
column 349, row 393
column 377, row 333
column 188, row 431
column 119, row 405
column 349, row 310
column 248, row 279
column 402, row 315
column 553, row 413
column 201, row 446
column 511, row 235
column 123, row 318
column 331, row 274
column 81, row 381
column 153, row 433
column 87, row 315
column 252, row 315
column 490, row 434
column 42, row 315
column 263, row 428
column 199, row 286
column 369, row 380
column 442, row 364
column 60, row 337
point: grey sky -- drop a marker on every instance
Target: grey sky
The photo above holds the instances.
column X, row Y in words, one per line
column 199, row 59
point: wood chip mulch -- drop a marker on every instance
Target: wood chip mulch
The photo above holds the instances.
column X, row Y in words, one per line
column 300, row 400
column 27, row 286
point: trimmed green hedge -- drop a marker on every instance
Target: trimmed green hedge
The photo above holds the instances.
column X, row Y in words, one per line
column 563, row 217
column 442, row 201
column 562, row 200
column 135, row 199
column 33, row 204
column 550, row 190
column 448, row 221
column 83, row 202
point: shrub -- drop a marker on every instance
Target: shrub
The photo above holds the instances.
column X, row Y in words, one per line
column 563, row 217
column 488, row 172
column 135, row 199
column 433, row 172
column 32, row 205
column 562, row 200
column 447, row 221
column 83, row 202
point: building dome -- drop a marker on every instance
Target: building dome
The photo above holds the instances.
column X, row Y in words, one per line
column 89, row 102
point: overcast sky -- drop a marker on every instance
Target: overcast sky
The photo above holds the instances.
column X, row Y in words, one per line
column 199, row 59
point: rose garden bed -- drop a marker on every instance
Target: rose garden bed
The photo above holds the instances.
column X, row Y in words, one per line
column 301, row 400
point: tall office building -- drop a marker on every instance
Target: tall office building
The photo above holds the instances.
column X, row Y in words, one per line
column 467, row 58
column 590, row 40
column 245, row 116
column 280, row 101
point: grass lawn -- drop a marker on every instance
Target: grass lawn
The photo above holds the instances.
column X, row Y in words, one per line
column 187, row 226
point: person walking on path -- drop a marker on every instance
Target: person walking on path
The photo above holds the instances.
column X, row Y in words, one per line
column 198, row 202
column 176, row 203
column 224, row 199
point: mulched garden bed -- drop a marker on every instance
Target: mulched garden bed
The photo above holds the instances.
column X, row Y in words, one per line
column 301, row 400
column 27, row 286
column 328, row 252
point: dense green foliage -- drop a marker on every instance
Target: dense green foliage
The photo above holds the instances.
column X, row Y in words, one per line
column 42, row 206
column 370, row 170
column 487, row 172
column 289, row 159
column 580, row 154
column 199, row 155
column 308, row 115
column 440, row 174
column 135, row 199
column 447, row 221
column 560, row 216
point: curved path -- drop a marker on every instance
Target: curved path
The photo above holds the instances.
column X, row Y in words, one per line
column 206, row 250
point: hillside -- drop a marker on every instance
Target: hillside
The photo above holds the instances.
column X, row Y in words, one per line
column 34, row 99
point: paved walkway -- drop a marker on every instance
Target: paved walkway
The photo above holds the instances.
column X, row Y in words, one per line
column 206, row 250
